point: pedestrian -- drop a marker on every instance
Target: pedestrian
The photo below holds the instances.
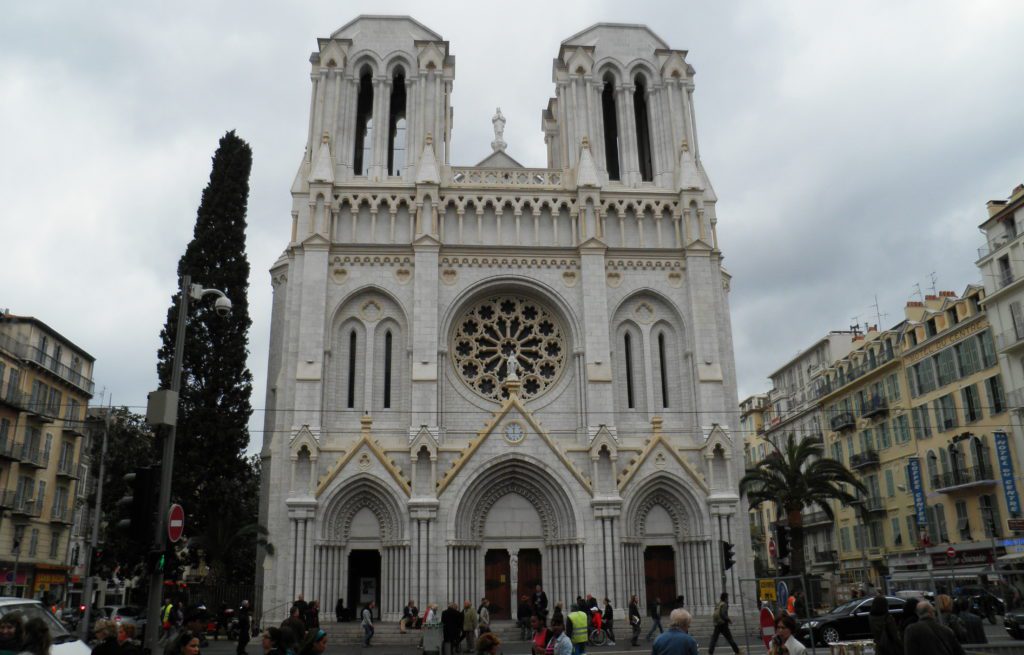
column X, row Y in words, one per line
column 187, row 643
column 973, row 623
column 451, row 629
column 295, row 624
column 126, row 643
column 909, row 615
column 313, row 615
column 540, row 637
column 276, row 641
column 523, row 614
column 578, row 627
column 883, row 627
column 410, row 617
column 196, row 621
column 484, row 617
column 37, row 637
column 315, row 643
column 339, row 610
column 431, row 615
column 677, row 640
column 367, row 623
column 784, row 642
column 947, row 618
column 11, row 633
column 540, row 603
column 608, row 621
column 634, row 618
column 469, row 625
column 488, row 644
column 560, row 643
column 106, row 638
column 655, row 611
column 558, row 612
column 244, row 627
column 928, row 636
column 721, row 619
column 679, row 604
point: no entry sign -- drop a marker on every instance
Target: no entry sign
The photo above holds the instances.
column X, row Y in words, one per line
column 175, row 523
column 951, row 552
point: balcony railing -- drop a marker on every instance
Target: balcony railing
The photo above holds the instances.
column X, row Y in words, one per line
column 844, row 421
column 1009, row 339
column 877, row 406
column 32, row 456
column 67, row 469
column 74, row 426
column 13, row 396
column 7, row 499
column 531, row 177
column 874, row 504
column 864, row 460
column 1015, row 398
column 51, row 364
column 60, row 514
column 973, row 475
column 825, row 556
column 26, row 506
column 1006, row 278
column 9, row 449
column 816, row 518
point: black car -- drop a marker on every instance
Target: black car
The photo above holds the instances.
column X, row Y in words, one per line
column 1014, row 624
column 845, row 622
column 984, row 602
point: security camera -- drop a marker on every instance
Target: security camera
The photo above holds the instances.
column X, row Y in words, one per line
column 222, row 306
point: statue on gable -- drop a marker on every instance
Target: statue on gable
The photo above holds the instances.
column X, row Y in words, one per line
column 498, row 120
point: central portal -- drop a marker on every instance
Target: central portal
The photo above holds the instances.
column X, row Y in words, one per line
column 660, row 572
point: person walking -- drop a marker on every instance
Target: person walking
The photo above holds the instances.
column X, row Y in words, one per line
column 928, row 635
column 106, row 638
column 523, row 614
column 634, row 619
column 785, row 642
column 578, row 628
column 973, row 623
column 339, row 610
column 655, row 612
column 677, row 640
column 295, row 624
column 367, row 623
column 315, row 643
column 560, row 643
column 608, row 621
column 37, row 637
column 540, row 637
column 883, row 627
column 540, row 603
column 721, row 619
column 484, row 617
column 469, row 625
column 488, row 644
column 126, row 643
column 451, row 629
column 947, row 618
column 244, row 627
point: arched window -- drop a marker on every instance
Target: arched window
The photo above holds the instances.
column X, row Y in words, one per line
column 663, row 370
column 611, row 129
column 364, row 124
column 387, row 370
column 351, row 403
column 628, row 351
column 396, row 125
column 643, row 132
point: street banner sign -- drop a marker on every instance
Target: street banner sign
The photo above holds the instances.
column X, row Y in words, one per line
column 1005, row 460
column 175, row 523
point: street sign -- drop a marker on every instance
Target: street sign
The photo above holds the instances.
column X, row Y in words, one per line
column 951, row 552
column 175, row 523
column 782, row 589
column 1015, row 525
column 766, row 589
column 772, row 549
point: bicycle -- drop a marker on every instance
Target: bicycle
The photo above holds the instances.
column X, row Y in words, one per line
column 598, row 637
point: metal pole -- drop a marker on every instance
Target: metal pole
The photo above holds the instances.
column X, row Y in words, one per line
column 86, row 620
column 156, row 578
column 743, row 611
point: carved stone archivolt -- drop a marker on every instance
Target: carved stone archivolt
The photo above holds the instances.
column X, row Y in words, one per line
column 549, row 522
column 351, row 500
column 503, row 326
column 680, row 522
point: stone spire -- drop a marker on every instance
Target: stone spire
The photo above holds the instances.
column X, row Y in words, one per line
column 428, row 172
column 690, row 178
column 323, row 165
column 586, row 171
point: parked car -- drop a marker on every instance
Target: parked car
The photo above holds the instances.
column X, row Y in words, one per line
column 64, row 643
column 845, row 622
column 1014, row 624
column 127, row 614
column 984, row 602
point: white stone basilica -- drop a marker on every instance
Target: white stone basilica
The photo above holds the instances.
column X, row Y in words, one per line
column 487, row 377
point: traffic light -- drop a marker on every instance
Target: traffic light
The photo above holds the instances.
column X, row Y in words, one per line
column 138, row 505
column 782, row 539
column 728, row 555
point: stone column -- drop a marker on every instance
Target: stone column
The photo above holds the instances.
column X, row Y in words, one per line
column 513, row 579
column 629, row 163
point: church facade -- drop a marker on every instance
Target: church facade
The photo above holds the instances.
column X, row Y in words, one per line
column 484, row 378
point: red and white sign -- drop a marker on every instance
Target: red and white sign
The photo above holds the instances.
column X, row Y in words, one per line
column 772, row 548
column 767, row 626
column 175, row 523
column 951, row 552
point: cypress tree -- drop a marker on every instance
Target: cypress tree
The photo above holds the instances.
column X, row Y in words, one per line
column 214, row 403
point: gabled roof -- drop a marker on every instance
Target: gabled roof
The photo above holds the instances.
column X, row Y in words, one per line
column 580, row 38
column 345, row 30
column 498, row 159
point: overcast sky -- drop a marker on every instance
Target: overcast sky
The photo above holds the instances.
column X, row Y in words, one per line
column 852, row 146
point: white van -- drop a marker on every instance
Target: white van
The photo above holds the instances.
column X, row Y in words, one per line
column 64, row 643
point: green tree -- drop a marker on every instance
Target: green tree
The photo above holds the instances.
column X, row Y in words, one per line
column 129, row 445
column 796, row 477
column 214, row 403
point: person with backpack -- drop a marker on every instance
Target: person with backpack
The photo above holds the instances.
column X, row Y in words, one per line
column 944, row 603
column 884, row 630
column 721, row 619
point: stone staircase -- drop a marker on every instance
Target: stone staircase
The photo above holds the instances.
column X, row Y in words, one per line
column 387, row 633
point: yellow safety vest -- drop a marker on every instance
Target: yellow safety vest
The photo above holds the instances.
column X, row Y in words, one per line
column 579, row 627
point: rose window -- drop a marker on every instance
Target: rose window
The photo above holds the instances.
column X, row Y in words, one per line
column 500, row 326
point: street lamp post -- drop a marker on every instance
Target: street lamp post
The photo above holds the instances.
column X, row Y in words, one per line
column 169, row 402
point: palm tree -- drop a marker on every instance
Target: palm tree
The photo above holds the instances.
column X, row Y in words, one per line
column 797, row 477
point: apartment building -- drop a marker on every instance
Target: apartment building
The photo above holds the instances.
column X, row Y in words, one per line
column 918, row 412
column 755, row 447
column 45, row 387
